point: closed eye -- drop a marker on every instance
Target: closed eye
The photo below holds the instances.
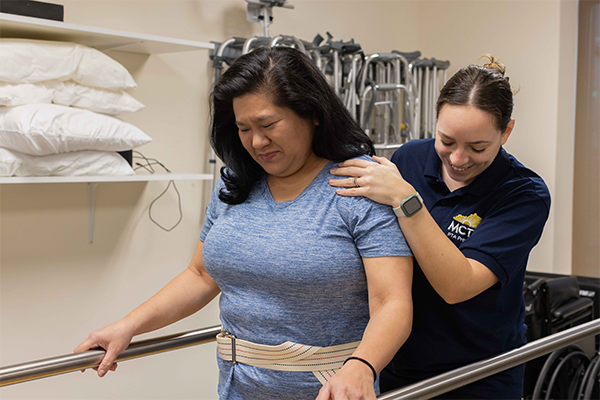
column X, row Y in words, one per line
column 478, row 151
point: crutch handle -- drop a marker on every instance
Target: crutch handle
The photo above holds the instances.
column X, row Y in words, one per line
column 351, row 48
column 424, row 62
column 440, row 64
column 410, row 57
column 386, row 57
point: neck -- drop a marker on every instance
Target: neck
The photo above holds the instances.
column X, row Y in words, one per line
column 451, row 183
column 286, row 188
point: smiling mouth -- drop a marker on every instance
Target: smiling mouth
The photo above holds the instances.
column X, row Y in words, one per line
column 459, row 169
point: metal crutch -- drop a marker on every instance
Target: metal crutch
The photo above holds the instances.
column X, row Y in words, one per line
column 255, row 42
column 288, row 41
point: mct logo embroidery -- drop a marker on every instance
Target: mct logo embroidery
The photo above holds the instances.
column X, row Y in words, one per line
column 461, row 227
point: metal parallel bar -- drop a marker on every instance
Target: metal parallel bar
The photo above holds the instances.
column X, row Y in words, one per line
column 482, row 369
column 77, row 361
column 422, row 390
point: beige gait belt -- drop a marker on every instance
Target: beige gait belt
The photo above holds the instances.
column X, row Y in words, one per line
column 324, row 362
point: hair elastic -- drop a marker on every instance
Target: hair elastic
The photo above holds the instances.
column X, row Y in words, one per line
column 364, row 361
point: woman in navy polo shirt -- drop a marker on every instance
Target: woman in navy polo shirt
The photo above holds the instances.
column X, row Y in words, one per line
column 482, row 213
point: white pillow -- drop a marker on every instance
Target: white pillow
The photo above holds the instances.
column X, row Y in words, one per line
column 77, row 163
column 25, row 93
column 68, row 93
column 32, row 61
column 42, row 129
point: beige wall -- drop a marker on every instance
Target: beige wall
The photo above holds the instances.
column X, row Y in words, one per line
column 532, row 39
column 586, row 193
column 56, row 287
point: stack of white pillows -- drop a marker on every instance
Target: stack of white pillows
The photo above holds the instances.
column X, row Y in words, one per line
column 57, row 102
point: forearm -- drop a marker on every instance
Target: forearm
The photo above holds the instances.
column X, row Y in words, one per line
column 180, row 298
column 387, row 330
column 454, row 277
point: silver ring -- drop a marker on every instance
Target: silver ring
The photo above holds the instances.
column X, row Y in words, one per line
column 354, row 182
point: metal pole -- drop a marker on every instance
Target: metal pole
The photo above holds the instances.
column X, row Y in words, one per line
column 482, row 369
column 421, row 390
column 74, row 362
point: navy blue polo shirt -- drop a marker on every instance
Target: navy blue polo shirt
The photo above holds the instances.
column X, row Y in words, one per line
column 496, row 220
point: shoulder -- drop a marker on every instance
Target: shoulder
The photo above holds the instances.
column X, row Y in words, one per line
column 526, row 181
column 217, row 207
column 416, row 147
column 347, row 204
column 363, row 157
column 414, row 151
column 413, row 159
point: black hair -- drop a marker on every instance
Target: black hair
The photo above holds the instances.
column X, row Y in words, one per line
column 484, row 87
column 291, row 80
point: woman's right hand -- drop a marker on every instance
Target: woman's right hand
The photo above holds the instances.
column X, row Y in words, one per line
column 379, row 181
column 114, row 339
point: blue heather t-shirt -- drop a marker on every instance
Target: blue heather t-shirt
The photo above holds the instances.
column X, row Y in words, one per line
column 496, row 220
column 293, row 271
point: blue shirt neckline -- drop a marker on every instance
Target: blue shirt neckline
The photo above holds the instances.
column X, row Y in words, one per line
column 265, row 187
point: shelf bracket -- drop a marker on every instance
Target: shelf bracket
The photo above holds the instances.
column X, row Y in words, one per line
column 91, row 193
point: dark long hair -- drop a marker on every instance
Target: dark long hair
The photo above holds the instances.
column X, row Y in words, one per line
column 291, row 80
column 484, row 87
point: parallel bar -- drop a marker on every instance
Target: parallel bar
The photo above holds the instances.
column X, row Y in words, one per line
column 473, row 372
column 74, row 362
column 421, row 390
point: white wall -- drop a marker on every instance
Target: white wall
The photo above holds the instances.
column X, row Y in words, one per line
column 56, row 287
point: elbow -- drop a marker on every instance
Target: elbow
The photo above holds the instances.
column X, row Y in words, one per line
column 452, row 297
column 458, row 294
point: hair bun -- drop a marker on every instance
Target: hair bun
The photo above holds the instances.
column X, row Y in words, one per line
column 493, row 63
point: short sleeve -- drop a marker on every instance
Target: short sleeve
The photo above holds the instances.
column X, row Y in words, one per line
column 375, row 229
column 212, row 210
column 505, row 237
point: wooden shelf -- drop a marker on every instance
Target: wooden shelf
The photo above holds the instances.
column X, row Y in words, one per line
column 95, row 179
column 16, row 26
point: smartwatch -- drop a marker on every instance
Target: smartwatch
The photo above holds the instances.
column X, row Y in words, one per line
column 409, row 206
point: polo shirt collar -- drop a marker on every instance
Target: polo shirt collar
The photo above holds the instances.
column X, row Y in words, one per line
column 492, row 176
column 484, row 183
column 433, row 164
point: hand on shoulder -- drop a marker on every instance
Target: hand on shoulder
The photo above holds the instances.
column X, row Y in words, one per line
column 379, row 181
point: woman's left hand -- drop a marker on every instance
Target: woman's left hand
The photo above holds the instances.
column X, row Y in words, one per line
column 353, row 382
column 380, row 181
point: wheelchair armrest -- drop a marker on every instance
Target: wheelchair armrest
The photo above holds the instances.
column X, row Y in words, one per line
column 571, row 308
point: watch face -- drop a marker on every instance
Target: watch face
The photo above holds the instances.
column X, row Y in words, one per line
column 411, row 206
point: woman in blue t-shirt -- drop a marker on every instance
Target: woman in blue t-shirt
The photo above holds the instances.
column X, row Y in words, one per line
column 471, row 214
column 311, row 283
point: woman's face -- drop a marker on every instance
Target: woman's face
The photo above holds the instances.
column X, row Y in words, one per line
column 277, row 138
column 467, row 142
